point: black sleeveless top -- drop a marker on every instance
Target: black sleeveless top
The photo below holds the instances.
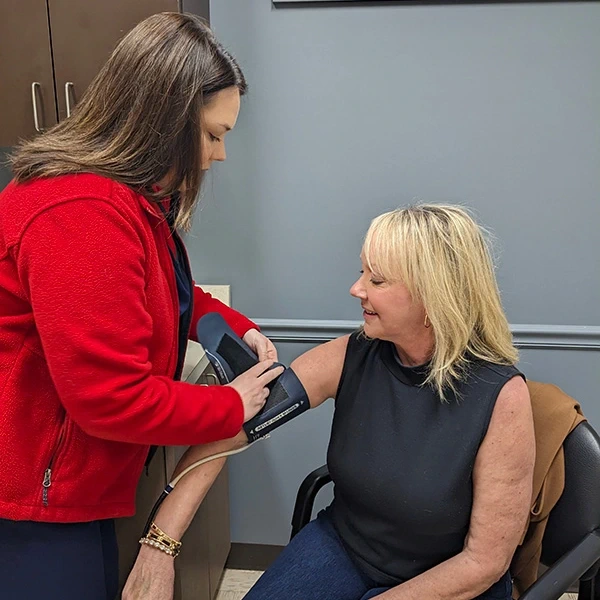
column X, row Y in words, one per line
column 402, row 460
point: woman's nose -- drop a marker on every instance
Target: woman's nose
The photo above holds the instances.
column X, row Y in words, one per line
column 357, row 290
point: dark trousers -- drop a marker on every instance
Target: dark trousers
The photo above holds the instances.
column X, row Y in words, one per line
column 315, row 566
column 58, row 561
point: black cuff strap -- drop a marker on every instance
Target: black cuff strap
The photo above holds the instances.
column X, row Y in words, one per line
column 230, row 356
column 286, row 401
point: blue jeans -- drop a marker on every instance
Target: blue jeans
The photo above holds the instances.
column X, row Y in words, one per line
column 315, row 566
column 58, row 561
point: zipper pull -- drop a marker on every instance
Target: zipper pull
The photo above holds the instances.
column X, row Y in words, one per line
column 46, row 484
column 47, row 478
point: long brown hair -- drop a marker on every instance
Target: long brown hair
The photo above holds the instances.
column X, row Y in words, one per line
column 140, row 118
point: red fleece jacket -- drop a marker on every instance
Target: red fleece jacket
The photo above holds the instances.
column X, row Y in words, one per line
column 89, row 319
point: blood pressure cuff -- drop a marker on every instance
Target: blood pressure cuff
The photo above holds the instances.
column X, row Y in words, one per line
column 230, row 356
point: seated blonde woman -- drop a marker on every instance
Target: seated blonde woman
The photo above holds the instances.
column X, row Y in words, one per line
column 432, row 444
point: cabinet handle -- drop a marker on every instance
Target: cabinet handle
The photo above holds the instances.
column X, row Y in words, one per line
column 212, row 376
column 36, row 87
column 69, row 89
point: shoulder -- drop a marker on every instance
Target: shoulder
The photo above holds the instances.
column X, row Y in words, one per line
column 489, row 371
column 509, row 441
column 320, row 369
column 42, row 193
column 334, row 352
column 47, row 189
column 89, row 186
column 490, row 378
column 513, row 394
column 491, row 388
column 503, row 380
column 23, row 203
column 512, row 412
column 326, row 356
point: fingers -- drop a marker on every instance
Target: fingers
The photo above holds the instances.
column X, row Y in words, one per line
column 262, row 350
column 270, row 375
column 263, row 372
column 260, row 368
column 262, row 345
column 266, row 348
column 271, row 351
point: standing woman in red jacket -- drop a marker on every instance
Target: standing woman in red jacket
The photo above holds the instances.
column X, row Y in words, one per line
column 97, row 302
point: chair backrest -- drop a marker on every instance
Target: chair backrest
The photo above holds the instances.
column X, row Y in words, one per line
column 577, row 512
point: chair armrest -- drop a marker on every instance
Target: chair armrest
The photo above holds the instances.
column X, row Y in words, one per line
column 305, row 499
column 571, row 567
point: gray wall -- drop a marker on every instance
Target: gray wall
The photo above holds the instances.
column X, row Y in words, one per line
column 356, row 110
column 353, row 111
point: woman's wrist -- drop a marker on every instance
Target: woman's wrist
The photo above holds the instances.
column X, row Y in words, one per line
column 159, row 540
column 152, row 556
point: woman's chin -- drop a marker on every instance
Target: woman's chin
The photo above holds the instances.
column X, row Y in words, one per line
column 370, row 328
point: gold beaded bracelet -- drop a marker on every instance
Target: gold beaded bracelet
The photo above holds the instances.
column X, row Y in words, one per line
column 157, row 538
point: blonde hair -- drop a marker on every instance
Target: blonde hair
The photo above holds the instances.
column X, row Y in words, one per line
column 440, row 254
column 140, row 118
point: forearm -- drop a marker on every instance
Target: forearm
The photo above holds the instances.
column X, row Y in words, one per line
column 179, row 507
column 461, row 577
column 153, row 572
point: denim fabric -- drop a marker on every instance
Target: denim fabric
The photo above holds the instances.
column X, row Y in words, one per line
column 316, row 566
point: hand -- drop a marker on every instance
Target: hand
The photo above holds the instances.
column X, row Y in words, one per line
column 152, row 576
column 263, row 347
column 251, row 386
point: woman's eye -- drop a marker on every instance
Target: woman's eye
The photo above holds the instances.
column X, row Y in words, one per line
column 377, row 279
column 372, row 280
column 214, row 138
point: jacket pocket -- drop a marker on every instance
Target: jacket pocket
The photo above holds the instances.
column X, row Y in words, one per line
column 53, row 461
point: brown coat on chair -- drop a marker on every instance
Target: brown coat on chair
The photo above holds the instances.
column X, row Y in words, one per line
column 555, row 415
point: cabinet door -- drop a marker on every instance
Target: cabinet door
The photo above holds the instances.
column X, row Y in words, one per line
column 216, row 506
column 25, row 59
column 206, row 543
column 85, row 33
column 197, row 7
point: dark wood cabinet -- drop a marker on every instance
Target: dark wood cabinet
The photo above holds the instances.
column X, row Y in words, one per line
column 26, row 73
column 50, row 50
column 85, row 33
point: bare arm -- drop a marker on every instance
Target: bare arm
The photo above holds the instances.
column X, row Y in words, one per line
column 502, row 488
column 179, row 507
column 151, row 578
column 320, row 370
column 152, row 575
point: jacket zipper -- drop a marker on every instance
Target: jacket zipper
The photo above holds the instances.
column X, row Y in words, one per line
column 47, row 482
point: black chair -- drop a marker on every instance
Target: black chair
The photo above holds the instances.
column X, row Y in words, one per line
column 571, row 544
